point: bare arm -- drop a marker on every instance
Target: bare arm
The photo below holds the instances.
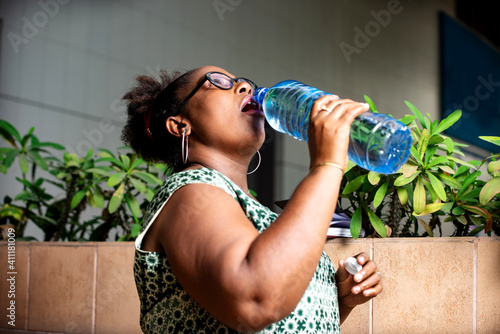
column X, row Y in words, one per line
column 246, row 279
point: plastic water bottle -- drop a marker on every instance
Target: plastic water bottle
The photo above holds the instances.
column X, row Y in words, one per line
column 377, row 142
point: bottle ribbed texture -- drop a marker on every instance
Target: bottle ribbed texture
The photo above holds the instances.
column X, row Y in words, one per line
column 377, row 142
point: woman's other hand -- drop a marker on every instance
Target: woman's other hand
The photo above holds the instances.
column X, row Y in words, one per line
column 357, row 289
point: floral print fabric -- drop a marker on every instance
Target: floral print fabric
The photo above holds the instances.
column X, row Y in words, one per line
column 167, row 308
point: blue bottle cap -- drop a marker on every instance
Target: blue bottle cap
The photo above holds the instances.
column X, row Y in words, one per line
column 259, row 94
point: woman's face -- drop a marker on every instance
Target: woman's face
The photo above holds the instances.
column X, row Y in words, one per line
column 229, row 119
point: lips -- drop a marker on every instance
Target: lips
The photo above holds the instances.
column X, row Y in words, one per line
column 250, row 105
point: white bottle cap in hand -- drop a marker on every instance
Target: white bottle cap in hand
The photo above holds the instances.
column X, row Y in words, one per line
column 352, row 265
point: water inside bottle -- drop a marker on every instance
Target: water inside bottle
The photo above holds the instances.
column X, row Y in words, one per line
column 378, row 142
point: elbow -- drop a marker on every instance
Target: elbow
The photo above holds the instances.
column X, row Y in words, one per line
column 260, row 313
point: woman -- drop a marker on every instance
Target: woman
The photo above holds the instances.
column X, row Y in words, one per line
column 210, row 258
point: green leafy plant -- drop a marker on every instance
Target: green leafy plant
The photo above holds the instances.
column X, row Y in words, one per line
column 434, row 183
column 107, row 192
column 112, row 190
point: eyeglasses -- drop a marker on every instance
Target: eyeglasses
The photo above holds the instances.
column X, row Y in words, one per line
column 219, row 80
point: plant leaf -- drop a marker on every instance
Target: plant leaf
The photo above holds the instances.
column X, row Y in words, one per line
column 116, row 178
column 98, row 197
column 483, row 213
column 12, row 132
column 432, row 192
column 116, row 199
column 356, row 221
column 138, row 185
column 463, row 163
column 125, row 160
column 133, row 205
column 448, row 121
column 402, row 180
column 97, row 170
column 409, row 169
column 24, row 163
column 449, row 145
column 424, row 141
column 491, row 139
column 377, row 223
column 137, row 162
column 350, row 165
column 373, row 108
column 450, row 181
column 416, row 155
column 374, row 177
column 134, row 231
column 430, row 208
column 429, row 153
column 380, row 194
column 407, row 119
column 114, row 161
column 467, row 182
column 437, row 186
column 48, row 144
column 426, row 227
column 78, row 198
column 490, row 190
column 438, row 161
column 149, row 178
column 447, row 169
column 419, row 196
column 38, row 160
column 403, row 195
column 149, row 194
column 11, row 211
column 417, row 113
column 354, row 185
column 436, row 139
column 493, row 167
column 476, row 231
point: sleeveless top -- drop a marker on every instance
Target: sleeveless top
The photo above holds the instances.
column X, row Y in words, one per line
column 167, row 308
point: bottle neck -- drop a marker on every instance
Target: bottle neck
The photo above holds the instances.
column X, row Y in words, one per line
column 259, row 94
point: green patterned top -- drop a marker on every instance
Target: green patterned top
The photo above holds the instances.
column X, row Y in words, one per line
column 167, row 308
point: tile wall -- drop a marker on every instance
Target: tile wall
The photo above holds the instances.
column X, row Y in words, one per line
column 431, row 285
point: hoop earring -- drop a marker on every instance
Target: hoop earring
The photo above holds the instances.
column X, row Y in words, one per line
column 184, row 147
column 258, row 165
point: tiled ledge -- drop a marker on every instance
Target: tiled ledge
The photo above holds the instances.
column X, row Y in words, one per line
column 431, row 285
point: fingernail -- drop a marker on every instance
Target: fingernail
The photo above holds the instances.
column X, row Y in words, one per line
column 358, row 277
column 356, row 289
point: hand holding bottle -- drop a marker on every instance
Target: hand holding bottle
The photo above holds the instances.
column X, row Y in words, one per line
column 329, row 128
column 377, row 142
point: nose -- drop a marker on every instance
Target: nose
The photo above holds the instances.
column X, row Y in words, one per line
column 243, row 87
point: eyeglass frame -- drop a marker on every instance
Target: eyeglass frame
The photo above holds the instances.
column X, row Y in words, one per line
column 207, row 76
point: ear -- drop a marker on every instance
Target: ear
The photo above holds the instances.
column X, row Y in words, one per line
column 176, row 125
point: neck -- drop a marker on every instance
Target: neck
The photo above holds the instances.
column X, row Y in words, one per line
column 235, row 170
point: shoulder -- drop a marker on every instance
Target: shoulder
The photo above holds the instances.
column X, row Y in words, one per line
column 194, row 176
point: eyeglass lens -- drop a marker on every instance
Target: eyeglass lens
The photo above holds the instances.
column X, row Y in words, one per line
column 224, row 81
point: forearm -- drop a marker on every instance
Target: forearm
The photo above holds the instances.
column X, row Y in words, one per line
column 287, row 253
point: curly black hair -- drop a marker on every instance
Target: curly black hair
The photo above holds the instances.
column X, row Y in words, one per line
column 157, row 100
